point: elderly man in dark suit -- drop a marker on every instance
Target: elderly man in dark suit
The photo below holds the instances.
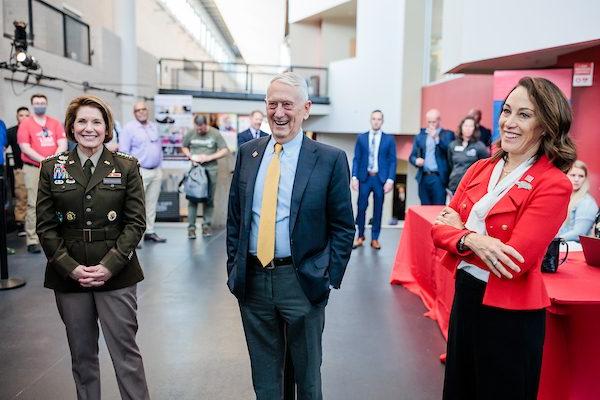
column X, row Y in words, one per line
column 289, row 237
column 254, row 132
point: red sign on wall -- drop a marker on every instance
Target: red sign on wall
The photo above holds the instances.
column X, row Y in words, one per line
column 583, row 74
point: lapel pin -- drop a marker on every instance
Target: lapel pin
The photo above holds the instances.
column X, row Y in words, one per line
column 529, row 178
column 524, row 185
column 255, row 153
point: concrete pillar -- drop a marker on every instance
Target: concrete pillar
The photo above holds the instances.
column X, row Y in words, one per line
column 125, row 28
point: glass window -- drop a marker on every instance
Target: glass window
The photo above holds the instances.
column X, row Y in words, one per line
column 435, row 46
column 77, row 35
column 14, row 10
column 48, row 28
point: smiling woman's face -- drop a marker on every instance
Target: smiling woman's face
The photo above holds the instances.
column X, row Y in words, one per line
column 520, row 129
column 89, row 129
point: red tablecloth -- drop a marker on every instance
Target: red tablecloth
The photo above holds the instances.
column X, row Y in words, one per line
column 571, row 363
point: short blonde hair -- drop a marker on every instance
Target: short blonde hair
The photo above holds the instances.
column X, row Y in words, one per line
column 88, row 101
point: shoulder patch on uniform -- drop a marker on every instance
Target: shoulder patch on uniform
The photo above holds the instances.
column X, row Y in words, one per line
column 124, row 155
column 56, row 156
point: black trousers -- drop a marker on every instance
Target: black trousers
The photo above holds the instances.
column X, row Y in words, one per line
column 493, row 353
column 278, row 317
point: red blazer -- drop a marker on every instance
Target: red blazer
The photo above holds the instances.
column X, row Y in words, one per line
column 525, row 218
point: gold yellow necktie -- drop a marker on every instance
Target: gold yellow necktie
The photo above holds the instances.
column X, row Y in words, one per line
column 268, row 210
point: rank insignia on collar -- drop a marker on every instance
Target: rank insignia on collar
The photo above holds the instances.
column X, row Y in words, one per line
column 524, row 185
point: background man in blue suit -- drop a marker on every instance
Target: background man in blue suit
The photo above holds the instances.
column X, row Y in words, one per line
column 430, row 155
column 373, row 170
column 289, row 238
column 253, row 132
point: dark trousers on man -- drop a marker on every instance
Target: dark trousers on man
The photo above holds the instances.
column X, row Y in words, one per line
column 276, row 313
column 493, row 353
column 431, row 189
column 372, row 184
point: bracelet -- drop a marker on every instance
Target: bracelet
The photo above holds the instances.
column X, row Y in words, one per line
column 461, row 243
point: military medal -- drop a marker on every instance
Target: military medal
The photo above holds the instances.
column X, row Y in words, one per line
column 70, row 216
column 59, row 173
column 112, row 215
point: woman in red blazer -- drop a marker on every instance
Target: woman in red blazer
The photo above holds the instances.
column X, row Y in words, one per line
column 496, row 230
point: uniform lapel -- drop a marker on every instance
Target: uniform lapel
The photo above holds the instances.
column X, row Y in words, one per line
column 74, row 168
column 306, row 162
column 104, row 167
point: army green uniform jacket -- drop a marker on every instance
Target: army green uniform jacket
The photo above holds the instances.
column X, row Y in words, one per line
column 90, row 223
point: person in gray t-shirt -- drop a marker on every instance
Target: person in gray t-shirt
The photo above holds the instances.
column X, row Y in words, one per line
column 464, row 151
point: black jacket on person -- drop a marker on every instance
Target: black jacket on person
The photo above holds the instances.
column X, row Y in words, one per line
column 321, row 223
column 11, row 140
column 90, row 223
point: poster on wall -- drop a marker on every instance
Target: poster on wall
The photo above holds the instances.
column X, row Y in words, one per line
column 173, row 117
column 504, row 81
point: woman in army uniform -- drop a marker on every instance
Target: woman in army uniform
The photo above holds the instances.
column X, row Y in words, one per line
column 90, row 217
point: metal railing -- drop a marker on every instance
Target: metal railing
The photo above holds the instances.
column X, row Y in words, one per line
column 215, row 78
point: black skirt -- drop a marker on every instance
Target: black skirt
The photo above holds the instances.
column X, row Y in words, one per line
column 492, row 353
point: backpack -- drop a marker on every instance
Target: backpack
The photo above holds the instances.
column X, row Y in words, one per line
column 196, row 184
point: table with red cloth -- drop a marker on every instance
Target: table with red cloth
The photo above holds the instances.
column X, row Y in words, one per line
column 571, row 360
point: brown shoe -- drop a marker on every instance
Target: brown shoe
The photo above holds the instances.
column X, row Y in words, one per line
column 375, row 244
column 358, row 242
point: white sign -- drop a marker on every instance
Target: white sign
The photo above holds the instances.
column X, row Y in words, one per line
column 583, row 74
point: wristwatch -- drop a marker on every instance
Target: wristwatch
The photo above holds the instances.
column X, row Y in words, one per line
column 461, row 243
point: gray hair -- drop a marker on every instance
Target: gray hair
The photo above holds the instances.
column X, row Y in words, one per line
column 295, row 80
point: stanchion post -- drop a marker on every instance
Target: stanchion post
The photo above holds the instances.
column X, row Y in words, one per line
column 5, row 282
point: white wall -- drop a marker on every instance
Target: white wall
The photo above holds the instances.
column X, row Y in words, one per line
column 372, row 80
column 477, row 30
column 337, row 36
column 300, row 9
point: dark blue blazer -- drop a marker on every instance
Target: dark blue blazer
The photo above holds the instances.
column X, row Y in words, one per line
column 441, row 153
column 246, row 136
column 386, row 159
column 321, row 219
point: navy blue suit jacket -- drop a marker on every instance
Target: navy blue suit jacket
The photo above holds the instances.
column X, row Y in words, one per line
column 441, row 153
column 386, row 158
column 321, row 219
column 246, row 136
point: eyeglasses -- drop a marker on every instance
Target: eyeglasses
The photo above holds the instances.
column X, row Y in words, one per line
column 140, row 109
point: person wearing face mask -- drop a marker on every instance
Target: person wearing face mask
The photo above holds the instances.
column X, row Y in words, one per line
column 39, row 136
column 495, row 231
column 430, row 155
column 253, row 132
column 464, row 151
column 91, row 215
column 582, row 206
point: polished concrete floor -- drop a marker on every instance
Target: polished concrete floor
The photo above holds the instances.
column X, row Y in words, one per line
column 377, row 344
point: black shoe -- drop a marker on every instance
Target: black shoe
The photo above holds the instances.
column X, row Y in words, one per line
column 34, row 248
column 21, row 230
column 154, row 237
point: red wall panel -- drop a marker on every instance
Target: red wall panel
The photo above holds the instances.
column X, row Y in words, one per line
column 454, row 99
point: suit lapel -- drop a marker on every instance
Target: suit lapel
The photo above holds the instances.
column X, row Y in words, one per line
column 104, row 167
column 251, row 171
column 74, row 168
column 306, row 162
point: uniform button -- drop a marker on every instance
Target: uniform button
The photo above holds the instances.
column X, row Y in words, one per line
column 112, row 185
column 89, row 196
column 504, row 227
column 88, row 223
column 88, row 209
